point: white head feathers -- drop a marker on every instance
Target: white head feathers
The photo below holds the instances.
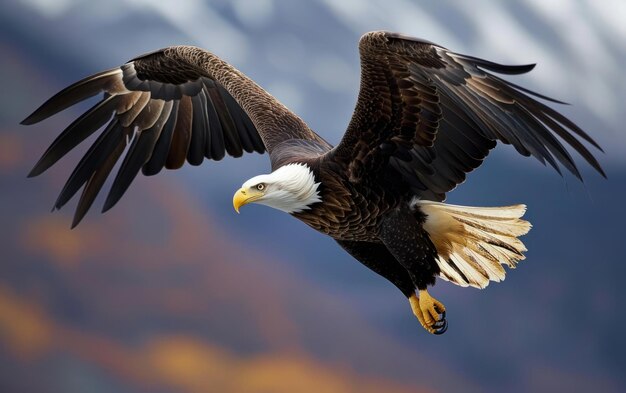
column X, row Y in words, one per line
column 290, row 188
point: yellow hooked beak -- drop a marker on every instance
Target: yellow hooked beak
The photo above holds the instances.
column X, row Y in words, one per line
column 243, row 197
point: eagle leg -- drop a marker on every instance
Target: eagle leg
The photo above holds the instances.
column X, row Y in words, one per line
column 430, row 312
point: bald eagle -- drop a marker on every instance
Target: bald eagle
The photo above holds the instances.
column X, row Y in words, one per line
column 424, row 118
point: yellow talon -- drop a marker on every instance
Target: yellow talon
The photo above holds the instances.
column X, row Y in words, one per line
column 427, row 310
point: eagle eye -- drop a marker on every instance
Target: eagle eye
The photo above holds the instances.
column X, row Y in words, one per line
column 260, row 186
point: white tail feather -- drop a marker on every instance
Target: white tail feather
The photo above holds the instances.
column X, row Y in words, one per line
column 474, row 242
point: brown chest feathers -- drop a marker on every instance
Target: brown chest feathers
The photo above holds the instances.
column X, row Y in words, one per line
column 349, row 211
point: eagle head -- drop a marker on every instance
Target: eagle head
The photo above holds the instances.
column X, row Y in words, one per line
column 291, row 188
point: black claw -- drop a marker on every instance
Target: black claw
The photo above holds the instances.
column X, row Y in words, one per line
column 441, row 325
column 443, row 329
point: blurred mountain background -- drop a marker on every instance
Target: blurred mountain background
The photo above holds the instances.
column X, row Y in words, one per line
column 171, row 291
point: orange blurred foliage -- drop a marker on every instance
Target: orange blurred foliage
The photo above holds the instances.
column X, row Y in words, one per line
column 197, row 367
column 11, row 151
column 23, row 326
column 181, row 362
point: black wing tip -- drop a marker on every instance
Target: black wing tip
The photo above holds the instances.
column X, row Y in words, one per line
column 40, row 167
column 596, row 165
column 577, row 174
column 575, row 171
column 115, row 194
column 550, row 99
column 30, row 120
column 598, row 169
column 34, row 172
column 109, row 203
column 526, row 67
column 497, row 67
column 75, row 222
column 79, row 214
column 507, row 69
column 71, row 95
column 118, row 189
column 37, row 116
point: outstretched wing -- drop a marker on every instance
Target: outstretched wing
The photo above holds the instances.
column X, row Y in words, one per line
column 174, row 105
column 434, row 115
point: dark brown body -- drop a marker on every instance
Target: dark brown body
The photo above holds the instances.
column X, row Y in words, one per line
column 371, row 220
column 351, row 211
